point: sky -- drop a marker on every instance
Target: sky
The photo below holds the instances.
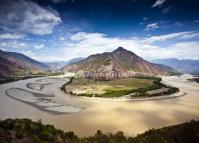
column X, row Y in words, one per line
column 60, row 30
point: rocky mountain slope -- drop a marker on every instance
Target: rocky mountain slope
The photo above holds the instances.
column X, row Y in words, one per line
column 185, row 66
column 119, row 63
column 10, row 62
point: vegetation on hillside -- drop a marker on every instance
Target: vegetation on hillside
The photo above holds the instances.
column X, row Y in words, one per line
column 27, row 131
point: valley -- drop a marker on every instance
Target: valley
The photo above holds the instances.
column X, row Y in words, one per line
column 44, row 100
column 99, row 71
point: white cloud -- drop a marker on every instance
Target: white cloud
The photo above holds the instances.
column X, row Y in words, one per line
column 152, row 26
column 13, row 44
column 61, row 38
column 28, row 53
column 11, row 36
column 158, row 3
column 83, row 44
column 25, row 16
column 178, row 35
column 39, row 46
column 83, row 36
column 182, row 50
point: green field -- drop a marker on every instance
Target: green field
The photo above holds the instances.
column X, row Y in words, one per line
column 116, row 84
column 118, row 87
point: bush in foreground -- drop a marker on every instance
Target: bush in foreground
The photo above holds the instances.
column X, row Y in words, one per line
column 27, row 131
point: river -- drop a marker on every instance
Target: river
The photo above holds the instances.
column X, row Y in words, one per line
column 41, row 98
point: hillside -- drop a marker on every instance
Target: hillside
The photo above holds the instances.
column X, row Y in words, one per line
column 185, row 66
column 25, row 130
column 10, row 62
column 119, row 63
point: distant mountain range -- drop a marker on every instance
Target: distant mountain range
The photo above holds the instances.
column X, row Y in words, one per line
column 56, row 65
column 10, row 62
column 61, row 64
column 184, row 66
column 119, row 63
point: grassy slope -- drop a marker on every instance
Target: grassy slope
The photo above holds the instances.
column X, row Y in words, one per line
column 25, row 130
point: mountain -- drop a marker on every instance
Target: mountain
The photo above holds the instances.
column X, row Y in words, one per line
column 10, row 62
column 75, row 60
column 185, row 66
column 61, row 64
column 119, row 63
column 56, row 65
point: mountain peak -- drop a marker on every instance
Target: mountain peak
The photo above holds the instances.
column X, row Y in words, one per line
column 124, row 51
column 120, row 49
column 120, row 61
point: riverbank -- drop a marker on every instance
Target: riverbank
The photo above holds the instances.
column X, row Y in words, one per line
column 131, row 117
column 25, row 76
column 174, row 95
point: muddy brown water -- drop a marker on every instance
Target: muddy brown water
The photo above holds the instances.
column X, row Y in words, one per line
column 90, row 115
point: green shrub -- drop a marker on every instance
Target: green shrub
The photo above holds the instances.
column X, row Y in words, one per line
column 183, row 133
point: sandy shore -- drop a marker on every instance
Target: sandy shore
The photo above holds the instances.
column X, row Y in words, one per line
column 132, row 117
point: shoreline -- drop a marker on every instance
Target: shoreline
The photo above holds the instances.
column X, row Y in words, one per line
column 123, row 99
column 13, row 80
column 9, row 80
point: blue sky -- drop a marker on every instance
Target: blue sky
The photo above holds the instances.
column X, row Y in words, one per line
column 59, row 30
